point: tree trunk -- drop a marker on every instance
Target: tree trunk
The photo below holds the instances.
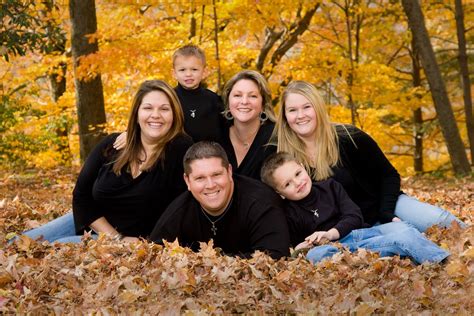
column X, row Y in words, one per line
column 466, row 82
column 216, row 40
column 58, row 87
column 89, row 95
column 57, row 78
column 202, row 24
column 443, row 108
column 417, row 114
column 192, row 28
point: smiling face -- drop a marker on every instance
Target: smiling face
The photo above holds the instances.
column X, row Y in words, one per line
column 211, row 184
column 245, row 101
column 155, row 116
column 188, row 71
column 292, row 181
column 300, row 115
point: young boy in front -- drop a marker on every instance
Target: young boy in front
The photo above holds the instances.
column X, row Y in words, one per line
column 323, row 210
column 201, row 107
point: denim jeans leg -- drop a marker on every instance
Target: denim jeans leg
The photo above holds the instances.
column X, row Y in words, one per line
column 58, row 228
column 392, row 227
column 423, row 215
column 408, row 242
column 318, row 253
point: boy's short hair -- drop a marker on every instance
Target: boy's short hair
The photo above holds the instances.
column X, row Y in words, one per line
column 272, row 163
column 190, row 50
column 204, row 150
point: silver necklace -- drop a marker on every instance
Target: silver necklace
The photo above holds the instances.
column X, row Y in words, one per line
column 213, row 223
column 315, row 212
column 244, row 143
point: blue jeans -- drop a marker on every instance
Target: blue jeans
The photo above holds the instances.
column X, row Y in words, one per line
column 61, row 229
column 423, row 215
column 404, row 241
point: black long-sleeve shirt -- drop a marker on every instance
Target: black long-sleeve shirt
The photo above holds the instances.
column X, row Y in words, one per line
column 131, row 205
column 254, row 221
column 202, row 113
column 327, row 206
column 366, row 174
column 259, row 150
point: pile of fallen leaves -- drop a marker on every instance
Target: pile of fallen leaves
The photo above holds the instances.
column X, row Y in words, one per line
column 106, row 277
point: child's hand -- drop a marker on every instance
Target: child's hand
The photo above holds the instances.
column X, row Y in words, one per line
column 303, row 245
column 317, row 237
column 121, row 141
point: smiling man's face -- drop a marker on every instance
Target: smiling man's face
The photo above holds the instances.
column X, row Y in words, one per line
column 211, row 184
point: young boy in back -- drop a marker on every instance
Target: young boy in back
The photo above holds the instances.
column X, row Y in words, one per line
column 323, row 210
column 201, row 107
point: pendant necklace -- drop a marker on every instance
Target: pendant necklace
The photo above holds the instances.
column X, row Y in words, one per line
column 213, row 223
column 315, row 212
column 244, row 143
column 140, row 161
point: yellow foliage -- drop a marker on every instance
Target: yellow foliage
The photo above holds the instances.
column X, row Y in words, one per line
column 137, row 39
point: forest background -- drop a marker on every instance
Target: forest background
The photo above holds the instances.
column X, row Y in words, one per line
column 67, row 79
column 360, row 54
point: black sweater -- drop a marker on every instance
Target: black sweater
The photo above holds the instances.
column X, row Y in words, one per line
column 130, row 205
column 366, row 174
column 254, row 221
column 202, row 113
column 259, row 150
column 327, row 206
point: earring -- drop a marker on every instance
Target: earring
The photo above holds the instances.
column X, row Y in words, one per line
column 228, row 116
column 263, row 117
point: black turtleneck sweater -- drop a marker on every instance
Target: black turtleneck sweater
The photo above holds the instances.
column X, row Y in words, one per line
column 202, row 113
column 326, row 206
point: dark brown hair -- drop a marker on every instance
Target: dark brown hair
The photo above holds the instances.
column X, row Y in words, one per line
column 134, row 145
column 203, row 150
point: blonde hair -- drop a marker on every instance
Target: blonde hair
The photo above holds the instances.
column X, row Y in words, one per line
column 263, row 88
column 326, row 139
column 133, row 147
column 188, row 51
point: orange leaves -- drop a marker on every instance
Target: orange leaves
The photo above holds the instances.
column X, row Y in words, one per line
column 104, row 275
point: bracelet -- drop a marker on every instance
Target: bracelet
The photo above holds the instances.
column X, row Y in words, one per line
column 117, row 237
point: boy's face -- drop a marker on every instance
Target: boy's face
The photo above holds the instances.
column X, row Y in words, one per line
column 188, row 71
column 292, row 181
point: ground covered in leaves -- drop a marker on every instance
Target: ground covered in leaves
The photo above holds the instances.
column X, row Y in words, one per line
column 105, row 277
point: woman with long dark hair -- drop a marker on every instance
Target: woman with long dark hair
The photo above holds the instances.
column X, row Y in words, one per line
column 122, row 193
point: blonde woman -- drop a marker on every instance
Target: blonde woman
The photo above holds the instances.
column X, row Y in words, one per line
column 351, row 157
column 122, row 193
column 248, row 108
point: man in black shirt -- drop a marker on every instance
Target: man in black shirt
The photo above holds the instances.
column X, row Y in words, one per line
column 240, row 214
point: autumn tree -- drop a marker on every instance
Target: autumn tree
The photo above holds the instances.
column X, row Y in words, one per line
column 464, row 70
column 89, row 94
column 438, row 90
column 23, row 31
column 279, row 40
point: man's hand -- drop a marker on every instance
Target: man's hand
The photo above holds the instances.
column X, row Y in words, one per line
column 396, row 219
column 120, row 141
